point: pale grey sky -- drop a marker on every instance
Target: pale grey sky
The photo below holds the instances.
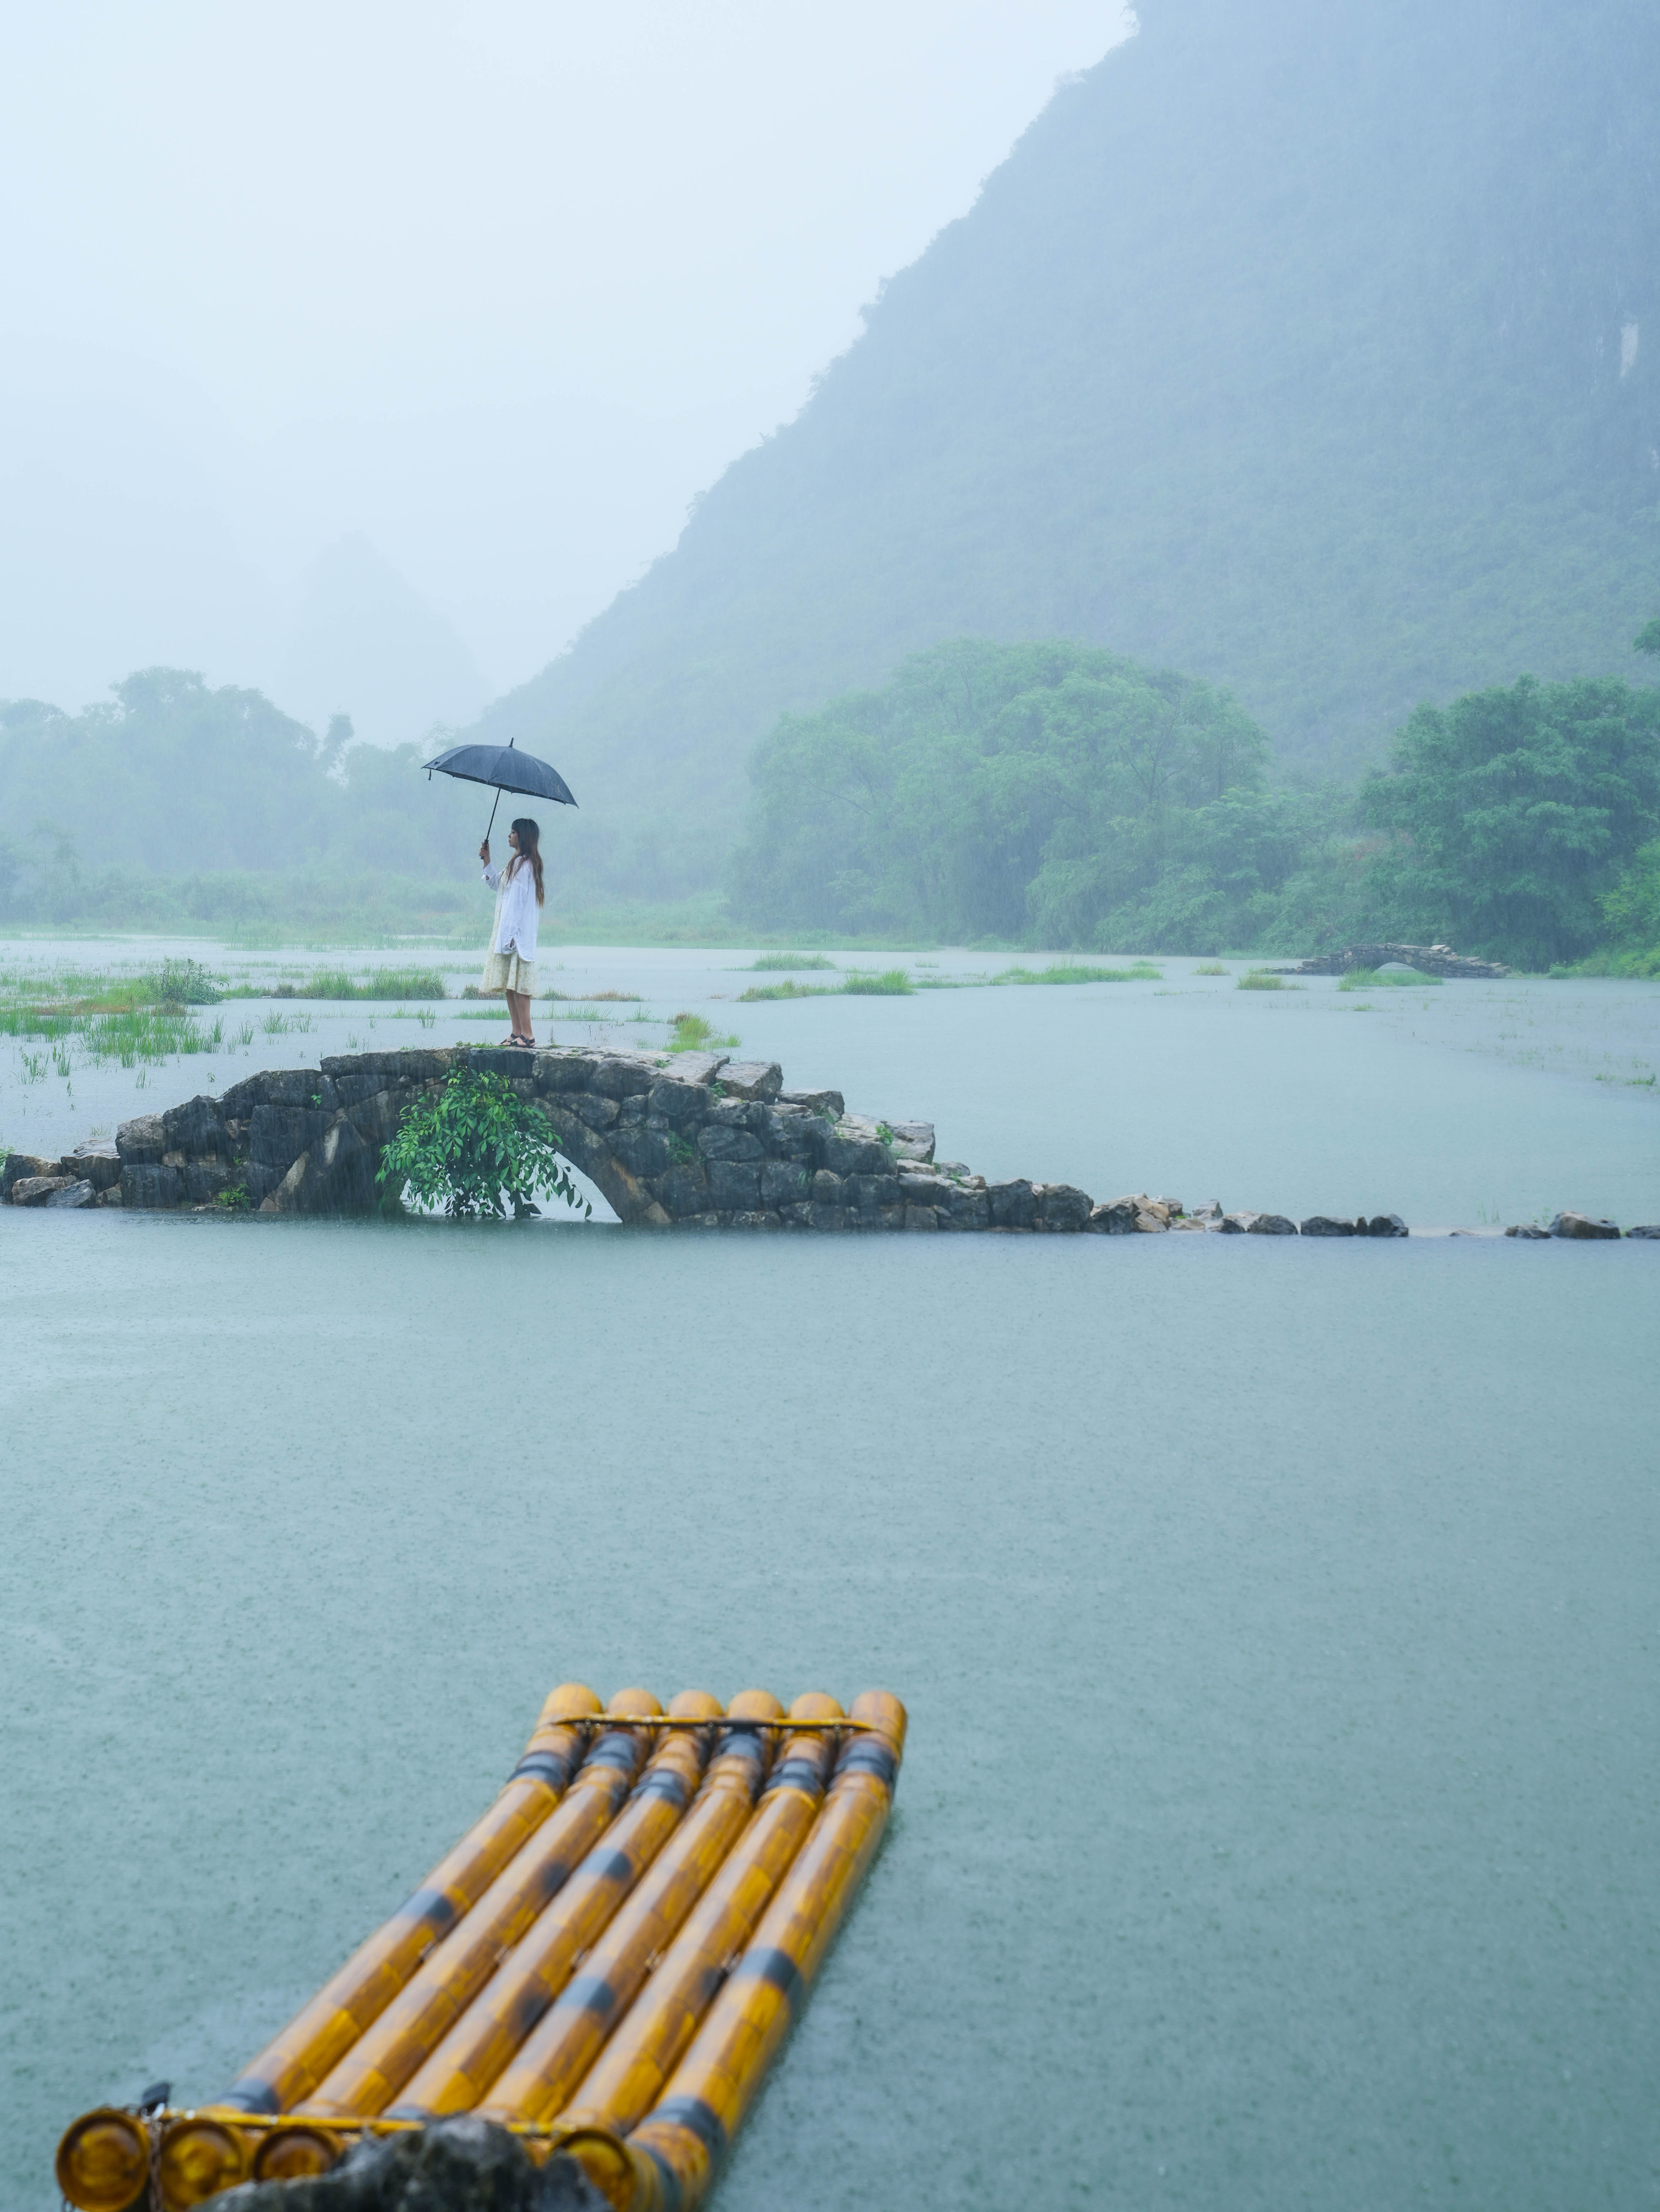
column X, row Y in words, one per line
column 495, row 288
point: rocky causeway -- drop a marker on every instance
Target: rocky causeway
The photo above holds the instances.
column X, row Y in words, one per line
column 687, row 1140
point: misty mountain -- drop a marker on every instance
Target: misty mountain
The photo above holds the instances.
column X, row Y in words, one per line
column 1309, row 349
column 364, row 643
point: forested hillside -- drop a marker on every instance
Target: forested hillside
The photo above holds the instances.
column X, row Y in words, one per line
column 1311, row 348
column 1056, row 795
column 108, row 812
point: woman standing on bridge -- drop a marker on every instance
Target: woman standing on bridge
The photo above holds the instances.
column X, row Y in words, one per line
column 510, row 964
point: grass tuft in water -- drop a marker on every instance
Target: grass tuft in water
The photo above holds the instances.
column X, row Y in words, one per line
column 1072, row 971
column 1380, row 979
column 1259, row 979
column 382, row 983
column 793, row 962
column 693, row 1034
column 758, row 991
column 1213, row 968
column 892, row 983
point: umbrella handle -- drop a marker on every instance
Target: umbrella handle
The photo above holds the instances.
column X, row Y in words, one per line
column 492, row 818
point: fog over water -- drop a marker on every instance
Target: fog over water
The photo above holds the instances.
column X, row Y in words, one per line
column 1277, row 1827
column 486, row 293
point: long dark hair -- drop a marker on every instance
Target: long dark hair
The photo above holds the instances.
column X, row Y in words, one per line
column 530, row 848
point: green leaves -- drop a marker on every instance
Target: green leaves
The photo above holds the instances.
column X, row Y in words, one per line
column 1515, row 813
column 1028, row 792
column 478, row 1149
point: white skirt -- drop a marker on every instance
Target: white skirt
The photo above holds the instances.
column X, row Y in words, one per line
column 506, row 971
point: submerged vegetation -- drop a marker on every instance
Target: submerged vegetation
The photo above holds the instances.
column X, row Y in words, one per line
column 377, row 983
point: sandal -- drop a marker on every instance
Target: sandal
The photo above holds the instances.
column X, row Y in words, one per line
column 522, row 1043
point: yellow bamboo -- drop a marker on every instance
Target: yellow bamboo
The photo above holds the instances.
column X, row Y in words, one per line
column 465, row 2067
column 318, row 2036
column 668, row 2163
column 629, row 2074
column 389, row 2053
column 560, row 2050
column 700, row 1936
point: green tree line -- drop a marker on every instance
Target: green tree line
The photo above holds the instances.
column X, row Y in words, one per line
column 1056, row 794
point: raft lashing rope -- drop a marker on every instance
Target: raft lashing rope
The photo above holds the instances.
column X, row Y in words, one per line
column 604, row 1964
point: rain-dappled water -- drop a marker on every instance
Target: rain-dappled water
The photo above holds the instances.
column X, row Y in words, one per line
column 1278, row 1824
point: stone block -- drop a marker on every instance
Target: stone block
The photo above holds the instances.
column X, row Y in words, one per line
column 783, row 1182
column 278, row 1135
column 926, row 1189
column 920, row 1217
column 22, row 1166
column 676, row 1101
column 98, row 1162
column 760, row 1217
column 142, row 1141
column 1149, row 1224
column 111, row 1197
column 511, row 1061
column 1063, row 1207
column 335, row 1175
column 846, row 1155
column 827, row 1188
column 1648, row 1230
column 562, row 1070
column 1271, row 1224
column 1582, row 1225
column 702, row 1067
column 37, row 1190
column 202, row 1181
column 642, row 1152
column 1237, row 1224
column 913, row 1141
column 74, row 1194
column 1013, row 1204
column 298, row 1087
column 622, row 1075
column 1115, row 1217
column 194, row 1129
column 826, row 1218
column 1384, row 1224
column 752, row 1079
column 1531, row 1233
column 1324, row 1225
column 821, row 1104
column 734, row 1113
column 683, row 1192
column 148, row 1185
column 598, row 1112
column 969, row 1209
column 716, row 1143
column 237, row 1104
column 734, row 1186
column 789, row 1132
column 865, row 1191
column 376, row 1118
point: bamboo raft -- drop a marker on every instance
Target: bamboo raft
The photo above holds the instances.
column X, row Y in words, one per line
column 604, row 1964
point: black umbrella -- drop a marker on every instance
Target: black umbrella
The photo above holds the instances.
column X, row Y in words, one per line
column 507, row 769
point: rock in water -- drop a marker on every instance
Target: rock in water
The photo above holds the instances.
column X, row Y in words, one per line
column 1530, row 1231
column 1582, row 1225
column 459, row 2165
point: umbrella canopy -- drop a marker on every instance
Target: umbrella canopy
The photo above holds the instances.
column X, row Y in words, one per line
column 504, row 768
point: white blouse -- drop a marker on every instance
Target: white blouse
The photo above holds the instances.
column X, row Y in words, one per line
column 515, row 908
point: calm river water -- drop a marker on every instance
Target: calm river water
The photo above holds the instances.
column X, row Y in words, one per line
column 1277, row 1620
